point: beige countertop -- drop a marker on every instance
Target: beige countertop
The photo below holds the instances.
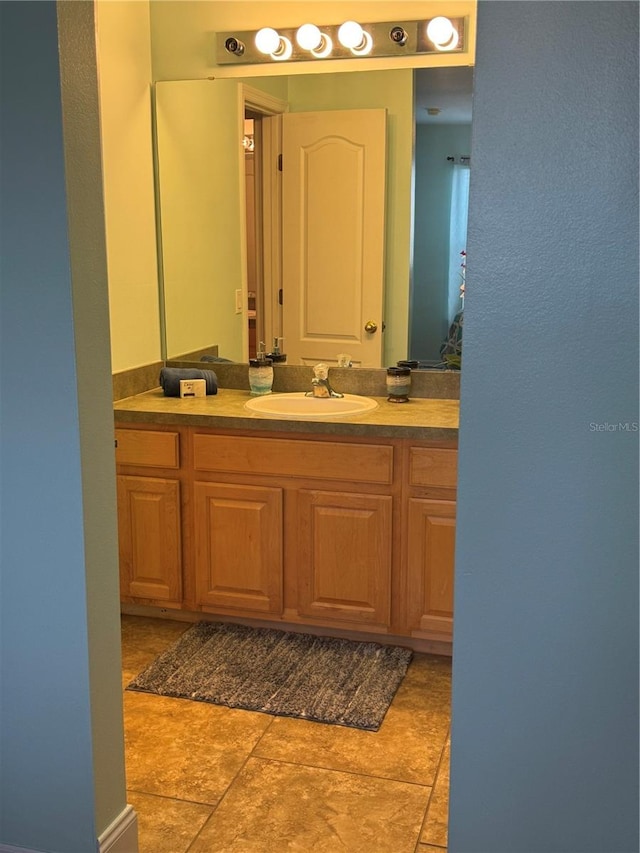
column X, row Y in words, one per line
column 421, row 418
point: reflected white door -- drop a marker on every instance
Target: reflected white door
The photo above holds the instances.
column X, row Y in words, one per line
column 333, row 197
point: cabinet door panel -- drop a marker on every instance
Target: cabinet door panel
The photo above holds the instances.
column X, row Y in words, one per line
column 238, row 540
column 344, row 570
column 431, row 546
column 149, row 538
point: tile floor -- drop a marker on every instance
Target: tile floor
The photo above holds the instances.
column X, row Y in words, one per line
column 208, row 779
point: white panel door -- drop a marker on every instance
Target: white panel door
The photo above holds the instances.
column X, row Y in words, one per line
column 333, row 196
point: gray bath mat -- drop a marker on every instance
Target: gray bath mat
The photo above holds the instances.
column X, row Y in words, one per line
column 280, row 672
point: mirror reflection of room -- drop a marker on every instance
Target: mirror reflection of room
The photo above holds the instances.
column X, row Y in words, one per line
column 442, row 170
column 421, row 300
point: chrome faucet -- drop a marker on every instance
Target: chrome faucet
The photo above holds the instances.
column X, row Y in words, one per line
column 320, row 386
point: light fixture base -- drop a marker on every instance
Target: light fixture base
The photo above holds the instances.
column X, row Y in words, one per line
column 384, row 36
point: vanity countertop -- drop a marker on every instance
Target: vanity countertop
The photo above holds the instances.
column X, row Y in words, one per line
column 421, row 418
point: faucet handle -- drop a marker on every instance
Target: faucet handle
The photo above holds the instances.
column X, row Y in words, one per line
column 321, row 371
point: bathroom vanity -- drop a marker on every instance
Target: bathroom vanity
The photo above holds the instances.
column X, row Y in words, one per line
column 346, row 527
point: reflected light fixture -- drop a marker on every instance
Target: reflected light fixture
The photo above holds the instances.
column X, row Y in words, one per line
column 352, row 36
column 317, row 43
column 442, row 34
column 271, row 43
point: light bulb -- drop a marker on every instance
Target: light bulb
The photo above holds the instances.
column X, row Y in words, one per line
column 284, row 49
column 324, row 48
column 452, row 43
column 364, row 47
column 267, row 40
column 309, row 37
column 351, row 34
column 442, row 33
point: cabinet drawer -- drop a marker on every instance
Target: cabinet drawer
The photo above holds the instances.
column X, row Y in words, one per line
column 356, row 463
column 147, row 448
column 429, row 466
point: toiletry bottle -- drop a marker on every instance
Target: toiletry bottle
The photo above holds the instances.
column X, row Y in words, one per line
column 398, row 384
column 260, row 372
column 276, row 356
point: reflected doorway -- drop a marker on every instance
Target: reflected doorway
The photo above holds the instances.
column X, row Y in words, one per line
column 253, row 196
column 262, row 297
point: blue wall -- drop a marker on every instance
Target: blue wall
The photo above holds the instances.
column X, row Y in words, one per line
column 430, row 276
column 61, row 767
column 46, row 740
column 545, row 695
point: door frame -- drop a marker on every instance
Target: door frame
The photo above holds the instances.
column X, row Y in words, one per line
column 269, row 207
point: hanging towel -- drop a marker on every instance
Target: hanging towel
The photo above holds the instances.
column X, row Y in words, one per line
column 170, row 379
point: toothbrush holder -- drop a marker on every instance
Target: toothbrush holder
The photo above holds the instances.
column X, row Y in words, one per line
column 260, row 376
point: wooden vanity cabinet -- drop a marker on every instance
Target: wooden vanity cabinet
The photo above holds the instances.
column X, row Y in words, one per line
column 349, row 534
column 293, row 527
column 149, row 516
column 430, row 541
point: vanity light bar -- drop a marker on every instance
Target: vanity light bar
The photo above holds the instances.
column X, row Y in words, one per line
column 311, row 42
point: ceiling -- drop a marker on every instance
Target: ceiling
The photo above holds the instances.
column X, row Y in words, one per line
column 446, row 89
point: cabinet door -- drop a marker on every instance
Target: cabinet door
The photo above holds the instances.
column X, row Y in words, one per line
column 344, row 553
column 431, row 544
column 238, row 542
column 149, row 538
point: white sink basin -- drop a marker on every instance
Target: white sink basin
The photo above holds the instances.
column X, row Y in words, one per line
column 299, row 406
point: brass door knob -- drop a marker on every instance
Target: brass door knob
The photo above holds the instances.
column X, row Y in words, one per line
column 370, row 327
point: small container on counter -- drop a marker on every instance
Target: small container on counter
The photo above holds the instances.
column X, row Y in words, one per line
column 410, row 363
column 260, row 375
column 276, row 356
column 398, row 384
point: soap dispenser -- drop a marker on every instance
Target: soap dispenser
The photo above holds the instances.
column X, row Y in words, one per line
column 260, row 372
column 276, row 356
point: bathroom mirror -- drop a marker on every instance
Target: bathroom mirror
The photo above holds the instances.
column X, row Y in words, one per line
column 220, row 280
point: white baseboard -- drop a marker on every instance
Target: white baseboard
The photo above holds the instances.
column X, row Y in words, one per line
column 121, row 836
